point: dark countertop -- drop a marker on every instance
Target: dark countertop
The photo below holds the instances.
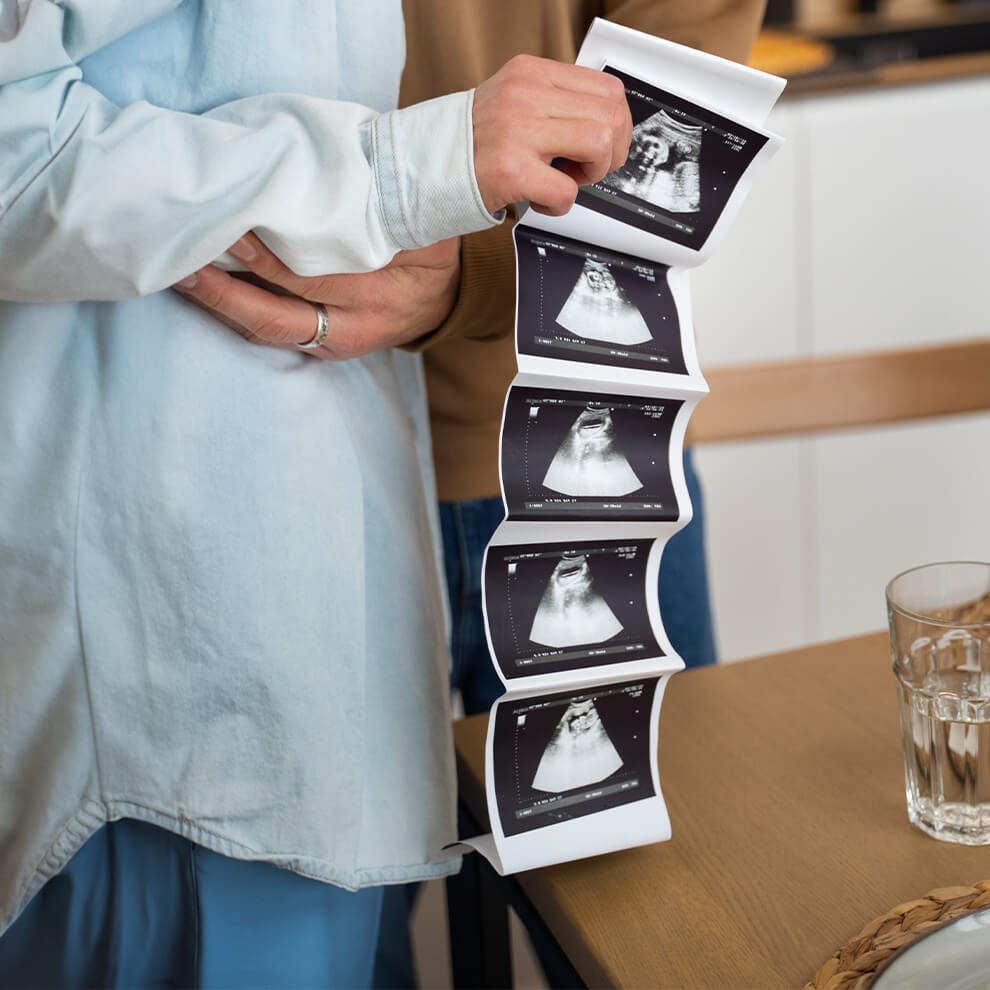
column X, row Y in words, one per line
column 874, row 51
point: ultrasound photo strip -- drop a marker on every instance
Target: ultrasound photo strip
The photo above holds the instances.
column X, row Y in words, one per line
column 591, row 458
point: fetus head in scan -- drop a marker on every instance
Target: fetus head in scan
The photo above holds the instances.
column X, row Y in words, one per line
column 648, row 151
column 571, row 611
column 594, row 424
column 572, row 572
column 663, row 164
column 597, row 308
column 599, row 276
column 588, row 461
column 579, row 751
column 581, row 716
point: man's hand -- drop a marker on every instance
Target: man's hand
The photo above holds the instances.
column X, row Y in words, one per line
column 410, row 297
column 534, row 110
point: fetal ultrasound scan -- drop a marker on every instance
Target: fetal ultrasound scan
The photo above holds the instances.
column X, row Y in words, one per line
column 582, row 303
column 684, row 163
column 579, row 753
column 587, row 456
column 571, row 610
column 597, row 308
column 589, row 461
column 663, row 167
column 562, row 756
column 563, row 606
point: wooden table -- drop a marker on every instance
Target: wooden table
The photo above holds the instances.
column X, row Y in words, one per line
column 783, row 776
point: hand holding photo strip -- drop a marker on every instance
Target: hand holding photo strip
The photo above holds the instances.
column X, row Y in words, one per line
column 591, row 458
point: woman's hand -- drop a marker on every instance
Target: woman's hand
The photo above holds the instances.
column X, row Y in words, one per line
column 408, row 298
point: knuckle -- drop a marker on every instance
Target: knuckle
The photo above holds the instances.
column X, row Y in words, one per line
column 211, row 298
column 601, row 142
column 508, row 176
column 618, row 118
column 346, row 345
column 616, row 88
column 563, row 197
column 522, row 64
column 276, row 329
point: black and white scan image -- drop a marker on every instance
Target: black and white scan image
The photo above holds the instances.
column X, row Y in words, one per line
column 684, row 163
column 663, row 166
column 561, row 606
column 562, row 756
column 587, row 456
column 589, row 461
column 578, row 302
column 598, row 309
column 571, row 610
column 579, row 752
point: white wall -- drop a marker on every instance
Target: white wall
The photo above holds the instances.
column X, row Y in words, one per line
column 868, row 232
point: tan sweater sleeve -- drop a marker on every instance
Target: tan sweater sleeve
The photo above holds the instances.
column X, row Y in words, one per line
column 722, row 27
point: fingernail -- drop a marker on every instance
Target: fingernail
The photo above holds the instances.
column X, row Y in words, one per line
column 243, row 250
column 188, row 282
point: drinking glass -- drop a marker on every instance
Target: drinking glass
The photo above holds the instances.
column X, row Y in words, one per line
column 939, row 616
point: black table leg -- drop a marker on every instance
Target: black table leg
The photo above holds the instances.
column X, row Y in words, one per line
column 479, row 922
column 477, row 908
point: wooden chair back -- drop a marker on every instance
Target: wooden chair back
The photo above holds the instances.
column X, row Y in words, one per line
column 813, row 395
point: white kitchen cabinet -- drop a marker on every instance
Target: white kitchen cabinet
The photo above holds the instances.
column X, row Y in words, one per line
column 867, row 232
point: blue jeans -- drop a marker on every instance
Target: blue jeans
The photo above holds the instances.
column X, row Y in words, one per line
column 467, row 528
column 140, row 907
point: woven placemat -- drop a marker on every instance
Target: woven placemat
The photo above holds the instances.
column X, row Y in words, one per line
column 853, row 966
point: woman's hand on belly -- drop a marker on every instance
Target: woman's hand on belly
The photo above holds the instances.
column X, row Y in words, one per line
column 275, row 307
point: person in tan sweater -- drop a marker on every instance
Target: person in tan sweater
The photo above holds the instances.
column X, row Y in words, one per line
column 470, row 359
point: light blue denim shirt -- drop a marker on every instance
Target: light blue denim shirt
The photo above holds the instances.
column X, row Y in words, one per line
column 219, row 599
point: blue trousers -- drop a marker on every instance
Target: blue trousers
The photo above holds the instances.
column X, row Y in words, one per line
column 467, row 528
column 140, row 907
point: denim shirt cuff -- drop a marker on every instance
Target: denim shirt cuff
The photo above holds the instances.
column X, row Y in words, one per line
column 424, row 171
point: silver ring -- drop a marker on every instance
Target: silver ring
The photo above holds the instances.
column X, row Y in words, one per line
column 322, row 328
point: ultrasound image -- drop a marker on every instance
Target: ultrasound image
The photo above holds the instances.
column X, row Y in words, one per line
column 588, row 461
column 580, row 302
column 684, row 163
column 579, row 455
column 571, row 611
column 561, row 756
column 663, row 164
column 579, row 752
column 553, row 607
column 598, row 309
